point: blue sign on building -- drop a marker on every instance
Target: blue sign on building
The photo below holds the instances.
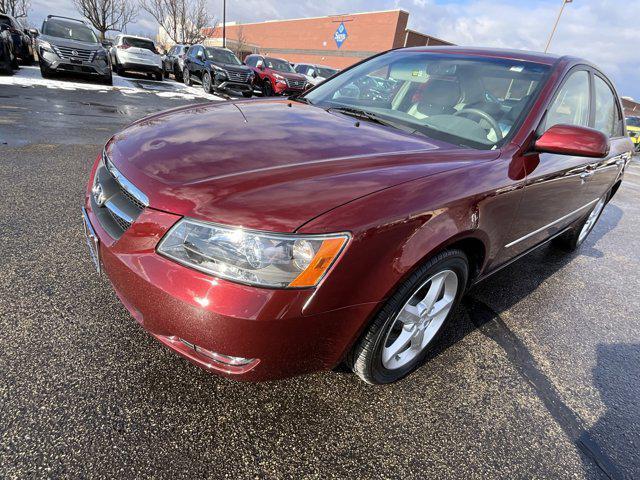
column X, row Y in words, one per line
column 341, row 35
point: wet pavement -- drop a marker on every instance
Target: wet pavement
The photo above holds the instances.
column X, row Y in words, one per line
column 537, row 376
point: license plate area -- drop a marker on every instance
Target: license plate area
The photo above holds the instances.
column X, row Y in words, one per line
column 92, row 241
column 76, row 61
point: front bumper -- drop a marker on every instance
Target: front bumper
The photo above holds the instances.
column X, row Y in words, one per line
column 175, row 303
column 53, row 62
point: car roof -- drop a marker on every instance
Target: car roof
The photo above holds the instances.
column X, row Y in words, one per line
column 522, row 55
column 125, row 35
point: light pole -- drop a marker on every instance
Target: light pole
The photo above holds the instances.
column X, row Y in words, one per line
column 224, row 23
column 555, row 25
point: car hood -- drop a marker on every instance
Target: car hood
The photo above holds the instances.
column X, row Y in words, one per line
column 270, row 164
column 63, row 42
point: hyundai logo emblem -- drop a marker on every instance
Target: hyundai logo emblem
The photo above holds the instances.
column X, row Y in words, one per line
column 98, row 194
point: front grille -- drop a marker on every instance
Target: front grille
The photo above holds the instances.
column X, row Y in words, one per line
column 121, row 222
column 116, row 202
column 295, row 83
column 82, row 54
column 240, row 77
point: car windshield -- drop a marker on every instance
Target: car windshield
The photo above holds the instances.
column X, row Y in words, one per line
column 633, row 121
column 279, row 65
column 326, row 72
column 139, row 43
column 470, row 101
column 69, row 31
column 222, row 56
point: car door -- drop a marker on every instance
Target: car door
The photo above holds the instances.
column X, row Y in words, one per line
column 555, row 193
column 607, row 118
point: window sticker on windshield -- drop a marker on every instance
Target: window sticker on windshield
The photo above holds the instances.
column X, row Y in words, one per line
column 417, row 73
column 517, row 68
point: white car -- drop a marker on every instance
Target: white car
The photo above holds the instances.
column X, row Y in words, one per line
column 315, row 73
column 137, row 54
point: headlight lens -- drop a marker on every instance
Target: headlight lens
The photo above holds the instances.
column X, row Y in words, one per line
column 255, row 258
column 45, row 45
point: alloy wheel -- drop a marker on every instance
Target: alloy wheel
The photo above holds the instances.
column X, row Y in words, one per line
column 420, row 319
column 591, row 221
column 206, row 83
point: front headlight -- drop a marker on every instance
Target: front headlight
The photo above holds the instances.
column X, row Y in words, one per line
column 46, row 46
column 255, row 258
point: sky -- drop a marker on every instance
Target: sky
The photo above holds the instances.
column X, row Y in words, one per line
column 605, row 32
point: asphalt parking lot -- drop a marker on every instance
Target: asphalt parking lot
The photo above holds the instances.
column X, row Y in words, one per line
column 538, row 375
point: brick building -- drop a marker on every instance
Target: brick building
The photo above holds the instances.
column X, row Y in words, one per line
column 631, row 107
column 335, row 40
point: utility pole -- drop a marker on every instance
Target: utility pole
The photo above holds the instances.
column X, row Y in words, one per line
column 224, row 23
column 555, row 25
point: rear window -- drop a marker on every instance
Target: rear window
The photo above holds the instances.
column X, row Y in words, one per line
column 69, row 30
column 139, row 43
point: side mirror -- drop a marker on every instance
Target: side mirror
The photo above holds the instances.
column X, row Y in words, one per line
column 33, row 32
column 574, row 140
column 106, row 44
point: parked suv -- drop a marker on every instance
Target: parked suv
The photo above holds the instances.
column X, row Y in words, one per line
column 8, row 59
column 136, row 54
column 633, row 129
column 69, row 45
column 173, row 61
column 217, row 69
column 21, row 39
column 275, row 76
column 315, row 74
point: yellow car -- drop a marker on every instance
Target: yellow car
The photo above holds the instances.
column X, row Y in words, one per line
column 633, row 129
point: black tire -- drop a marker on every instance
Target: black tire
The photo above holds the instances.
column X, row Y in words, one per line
column 247, row 94
column 108, row 80
column 45, row 72
column 573, row 238
column 119, row 70
column 206, row 82
column 165, row 74
column 267, row 88
column 186, row 77
column 159, row 76
column 365, row 358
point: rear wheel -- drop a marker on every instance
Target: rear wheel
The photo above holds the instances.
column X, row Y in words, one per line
column 573, row 238
column 186, row 77
column 409, row 324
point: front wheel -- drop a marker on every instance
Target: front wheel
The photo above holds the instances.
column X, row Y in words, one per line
column 573, row 238
column 267, row 89
column 409, row 324
column 206, row 82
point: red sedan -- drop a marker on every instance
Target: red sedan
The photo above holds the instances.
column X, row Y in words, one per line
column 267, row 238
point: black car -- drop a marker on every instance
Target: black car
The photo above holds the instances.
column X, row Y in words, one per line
column 22, row 45
column 217, row 69
column 8, row 60
column 173, row 61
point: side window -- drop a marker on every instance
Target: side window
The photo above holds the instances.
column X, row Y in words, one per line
column 571, row 105
column 251, row 61
column 607, row 118
column 301, row 69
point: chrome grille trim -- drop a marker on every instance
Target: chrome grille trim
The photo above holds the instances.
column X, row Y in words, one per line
column 295, row 83
column 67, row 52
column 133, row 192
column 238, row 76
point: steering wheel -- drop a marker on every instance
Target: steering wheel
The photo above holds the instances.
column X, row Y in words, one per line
column 485, row 116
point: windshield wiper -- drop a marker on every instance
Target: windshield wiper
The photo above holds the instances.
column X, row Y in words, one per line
column 297, row 98
column 371, row 117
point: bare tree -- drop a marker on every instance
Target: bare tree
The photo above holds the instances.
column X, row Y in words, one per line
column 107, row 15
column 182, row 20
column 240, row 42
column 15, row 8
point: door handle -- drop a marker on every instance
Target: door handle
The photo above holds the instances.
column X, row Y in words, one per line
column 584, row 176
